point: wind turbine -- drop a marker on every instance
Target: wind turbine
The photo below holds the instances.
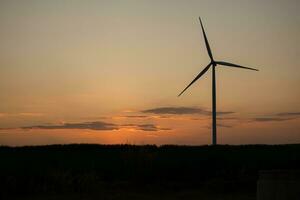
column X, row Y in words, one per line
column 212, row 64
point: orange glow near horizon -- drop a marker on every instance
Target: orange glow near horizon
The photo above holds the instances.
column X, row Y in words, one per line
column 174, row 130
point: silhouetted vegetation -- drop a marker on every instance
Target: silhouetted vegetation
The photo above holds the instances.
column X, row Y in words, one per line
column 107, row 169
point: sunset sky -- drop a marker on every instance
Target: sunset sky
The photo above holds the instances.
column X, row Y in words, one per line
column 109, row 72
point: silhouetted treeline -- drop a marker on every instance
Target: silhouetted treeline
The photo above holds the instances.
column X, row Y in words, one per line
column 83, row 167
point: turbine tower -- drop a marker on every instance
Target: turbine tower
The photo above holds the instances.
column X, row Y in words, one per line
column 212, row 64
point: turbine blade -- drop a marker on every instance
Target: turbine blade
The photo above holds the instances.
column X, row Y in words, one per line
column 196, row 78
column 233, row 65
column 206, row 41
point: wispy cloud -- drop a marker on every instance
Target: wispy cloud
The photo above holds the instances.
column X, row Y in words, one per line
column 277, row 117
column 22, row 114
column 227, row 118
column 175, row 110
column 296, row 114
column 182, row 111
column 146, row 127
column 221, row 125
column 224, row 112
column 136, row 116
column 30, row 114
column 225, row 125
column 269, row 119
column 99, row 126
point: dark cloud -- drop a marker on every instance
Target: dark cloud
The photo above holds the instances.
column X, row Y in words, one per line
column 296, row 114
column 182, row 111
column 98, row 125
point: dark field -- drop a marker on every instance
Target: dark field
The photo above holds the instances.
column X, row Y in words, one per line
column 139, row 172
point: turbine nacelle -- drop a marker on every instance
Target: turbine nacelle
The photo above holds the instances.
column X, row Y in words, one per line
column 214, row 63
